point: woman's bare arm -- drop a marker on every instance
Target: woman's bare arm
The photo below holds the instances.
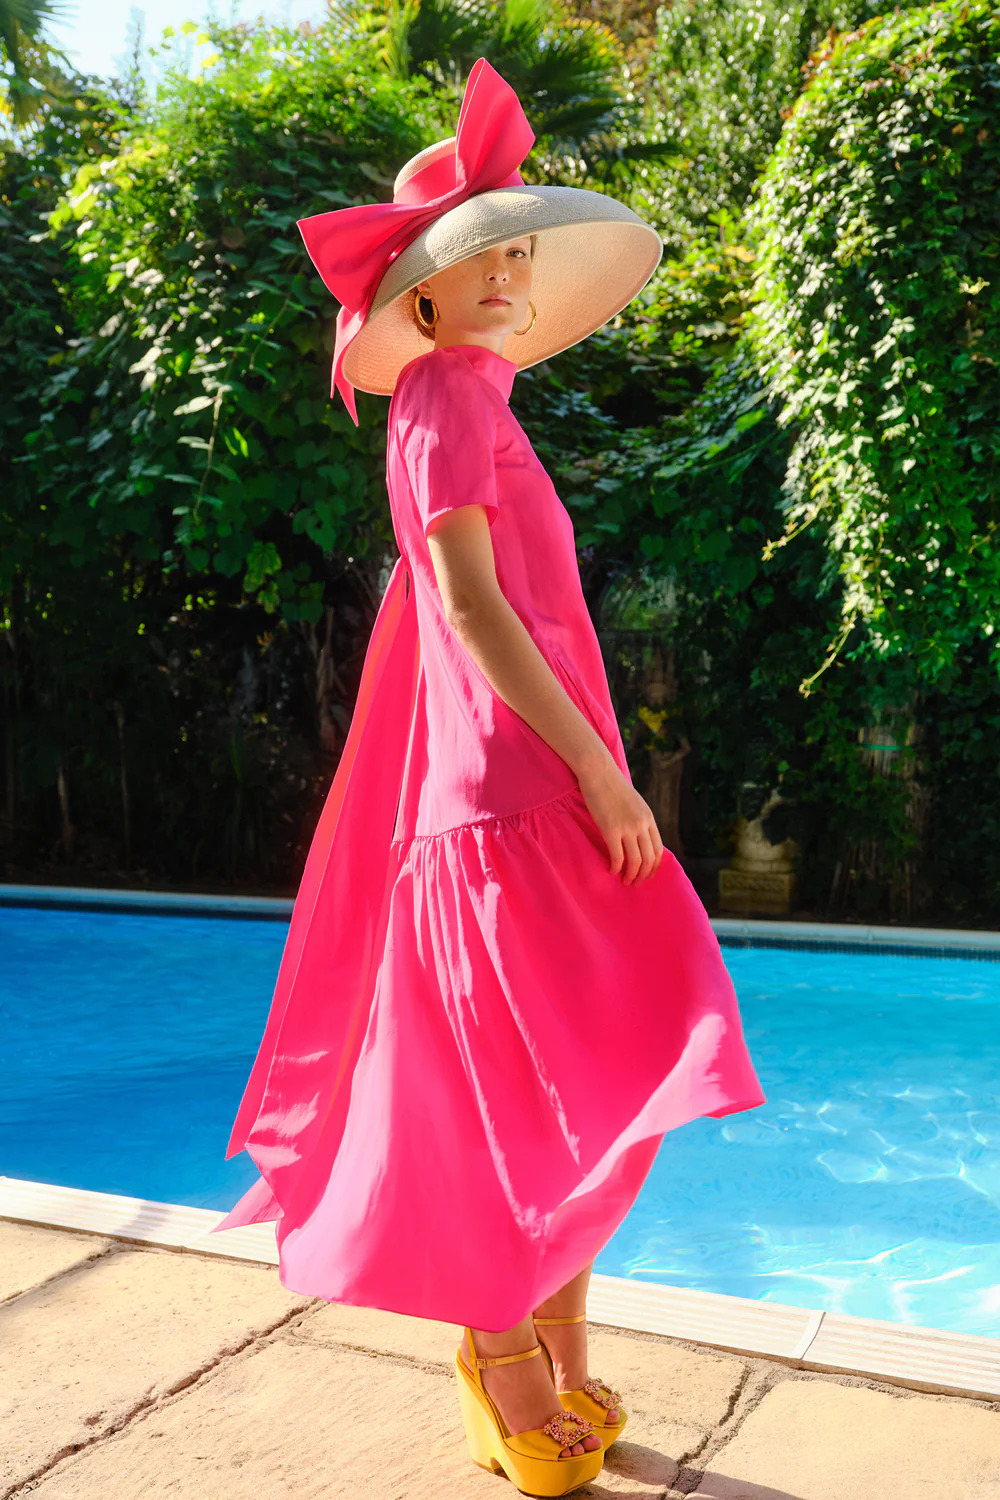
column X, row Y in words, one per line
column 490, row 629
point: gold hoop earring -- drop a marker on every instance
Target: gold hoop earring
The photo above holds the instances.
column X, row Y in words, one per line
column 534, row 315
column 421, row 320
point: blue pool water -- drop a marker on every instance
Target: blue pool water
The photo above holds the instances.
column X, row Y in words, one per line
column 869, row 1183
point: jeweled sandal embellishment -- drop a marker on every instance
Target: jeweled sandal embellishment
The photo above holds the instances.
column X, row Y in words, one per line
column 602, row 1393
column 559, row 1428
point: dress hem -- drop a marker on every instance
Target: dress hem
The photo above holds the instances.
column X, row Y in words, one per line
column 642, row 1150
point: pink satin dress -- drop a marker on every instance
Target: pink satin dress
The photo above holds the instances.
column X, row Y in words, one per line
column 479, row 1034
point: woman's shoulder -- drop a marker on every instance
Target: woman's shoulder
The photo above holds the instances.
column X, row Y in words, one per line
column 439, row 378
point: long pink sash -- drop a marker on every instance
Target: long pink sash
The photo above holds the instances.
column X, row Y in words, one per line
column 326, row 978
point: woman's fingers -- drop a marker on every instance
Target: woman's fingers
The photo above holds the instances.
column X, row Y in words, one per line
column 643, row 852
column 627, row 824
column 634, row 857
column 649, row 859
column 630, row 846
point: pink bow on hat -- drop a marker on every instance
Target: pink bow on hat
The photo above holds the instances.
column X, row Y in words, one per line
column 352, row 248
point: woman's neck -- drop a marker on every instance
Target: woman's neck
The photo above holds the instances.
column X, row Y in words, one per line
column 444, row 335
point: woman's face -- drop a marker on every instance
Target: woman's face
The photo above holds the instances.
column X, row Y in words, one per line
column 485, row 294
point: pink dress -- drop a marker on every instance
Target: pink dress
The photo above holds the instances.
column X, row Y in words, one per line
column 479, row 1035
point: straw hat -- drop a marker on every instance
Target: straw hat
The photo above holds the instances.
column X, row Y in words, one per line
column 451, row 200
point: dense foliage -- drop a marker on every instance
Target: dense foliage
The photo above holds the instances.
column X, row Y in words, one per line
column 195, row 538
column 877, row 324
column 209, row 434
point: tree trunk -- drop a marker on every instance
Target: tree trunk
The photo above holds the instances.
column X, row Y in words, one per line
column 123, row 782
column 67, row 835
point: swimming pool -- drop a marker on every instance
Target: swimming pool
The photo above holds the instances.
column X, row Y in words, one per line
column 869, row 1183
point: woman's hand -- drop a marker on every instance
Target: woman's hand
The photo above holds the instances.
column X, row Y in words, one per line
column 626, row 822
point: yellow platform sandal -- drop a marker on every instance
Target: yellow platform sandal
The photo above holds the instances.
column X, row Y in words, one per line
column 531, row 1460
column 594, row 1400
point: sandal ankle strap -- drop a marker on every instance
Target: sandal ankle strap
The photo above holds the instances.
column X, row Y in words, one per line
column 576, row 1318
column 507, row 1359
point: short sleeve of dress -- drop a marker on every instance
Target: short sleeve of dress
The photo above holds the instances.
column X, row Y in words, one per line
column 446, row 426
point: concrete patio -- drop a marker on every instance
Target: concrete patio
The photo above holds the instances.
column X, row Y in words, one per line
column 134, row 1371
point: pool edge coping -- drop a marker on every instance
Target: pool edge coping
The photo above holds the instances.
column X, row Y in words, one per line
column 930, row 1360
column 857, row 933
column 98, row 895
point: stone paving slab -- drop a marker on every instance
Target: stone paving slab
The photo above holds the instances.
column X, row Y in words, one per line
column 816, row 1440
column 676, row 1396
column 295, row 1418
column 134, row 1372
column 30, row 1254
column 79, row 1354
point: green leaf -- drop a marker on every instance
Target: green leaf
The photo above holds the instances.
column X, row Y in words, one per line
column 198, row 403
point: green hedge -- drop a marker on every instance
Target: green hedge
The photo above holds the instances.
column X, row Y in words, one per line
column 877, row 325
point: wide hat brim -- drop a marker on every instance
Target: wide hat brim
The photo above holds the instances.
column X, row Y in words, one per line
column 592, row 256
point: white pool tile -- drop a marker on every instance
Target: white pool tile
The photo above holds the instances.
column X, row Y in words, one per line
column 928, row 1359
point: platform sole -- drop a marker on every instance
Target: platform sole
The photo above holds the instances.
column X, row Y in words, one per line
column 487, row 1449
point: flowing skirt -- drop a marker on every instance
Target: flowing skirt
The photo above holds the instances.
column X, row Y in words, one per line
column 468, row 1130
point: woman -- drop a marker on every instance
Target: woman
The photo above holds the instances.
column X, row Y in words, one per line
column 498, row 992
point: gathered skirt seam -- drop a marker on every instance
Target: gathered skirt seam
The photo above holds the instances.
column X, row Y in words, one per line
column 492, row 818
